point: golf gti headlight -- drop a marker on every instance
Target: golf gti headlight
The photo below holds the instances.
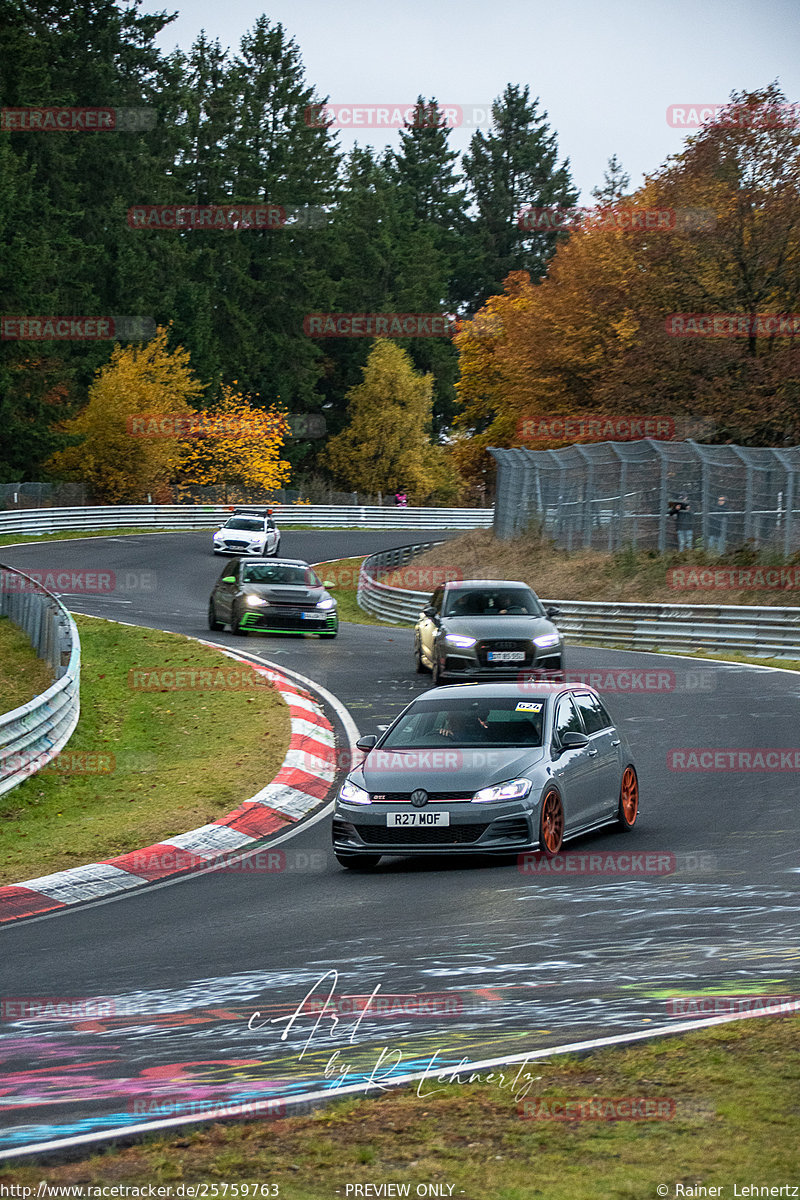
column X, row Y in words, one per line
column 463, row 643
column 254, row 600
column 515, row 789
column 547, row 639
column 327, row 604
column 352, row 794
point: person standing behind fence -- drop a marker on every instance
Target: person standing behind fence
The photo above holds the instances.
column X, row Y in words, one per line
column 681, row 510
column 718, row 525
column 401, row 499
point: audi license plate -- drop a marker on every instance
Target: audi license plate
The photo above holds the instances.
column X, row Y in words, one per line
column 311, row 616
column 506, row 656
column 418, row 818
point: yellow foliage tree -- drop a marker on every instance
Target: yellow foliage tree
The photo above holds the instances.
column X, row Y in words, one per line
column 386, row 446
column 123, row 453
column 235, row 446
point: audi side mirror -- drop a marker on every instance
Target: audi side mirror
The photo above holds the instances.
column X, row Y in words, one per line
column 229, row 579
column 366, row 743
column 430, row 612
column 328, row 583
column 574, row 741
column 553, row 611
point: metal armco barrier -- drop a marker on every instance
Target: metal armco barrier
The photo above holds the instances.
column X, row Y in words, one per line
column 32, row 735
column 205, row 516
column 768, row 632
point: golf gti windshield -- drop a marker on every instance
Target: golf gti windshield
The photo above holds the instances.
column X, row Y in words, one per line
column 468, row 722
column 278, row 573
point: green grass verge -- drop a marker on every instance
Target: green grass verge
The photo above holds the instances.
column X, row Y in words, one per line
column 175, row 759
column 64, row 535
column 731, row 1092
column 346, row 570
column 16, row 539
column 22, row 674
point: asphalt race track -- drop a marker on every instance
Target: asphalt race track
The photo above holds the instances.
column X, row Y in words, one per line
column 509, row 961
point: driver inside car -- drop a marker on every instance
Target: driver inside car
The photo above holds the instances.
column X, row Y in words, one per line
column 464, row 726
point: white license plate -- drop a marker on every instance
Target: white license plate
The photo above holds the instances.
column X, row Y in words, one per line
column 418, row 818
column 506, row 656
column 306, row 616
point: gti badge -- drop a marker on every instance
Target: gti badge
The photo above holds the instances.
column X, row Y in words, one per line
column 419, row 798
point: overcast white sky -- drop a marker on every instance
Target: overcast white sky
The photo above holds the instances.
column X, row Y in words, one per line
column 605, row 70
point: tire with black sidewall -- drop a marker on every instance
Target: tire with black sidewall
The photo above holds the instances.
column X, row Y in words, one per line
column 213, row 624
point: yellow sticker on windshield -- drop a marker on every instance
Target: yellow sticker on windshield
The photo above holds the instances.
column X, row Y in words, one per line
column 528, row 706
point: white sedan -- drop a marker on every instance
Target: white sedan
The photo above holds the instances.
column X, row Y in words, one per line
column 248, row 533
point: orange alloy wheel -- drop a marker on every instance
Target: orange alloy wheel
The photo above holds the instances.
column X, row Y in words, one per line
column 628, row 798
column 551, row 828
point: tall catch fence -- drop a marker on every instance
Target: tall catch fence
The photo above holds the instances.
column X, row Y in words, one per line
column 609, row 494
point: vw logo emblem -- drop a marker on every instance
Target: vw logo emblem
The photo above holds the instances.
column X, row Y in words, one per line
column 419, row 798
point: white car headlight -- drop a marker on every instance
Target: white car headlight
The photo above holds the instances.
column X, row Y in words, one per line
column 352, row 794
column 515, row 789
column 253, row 600
column 547, row 639
column 327, row 604
column 463, row 643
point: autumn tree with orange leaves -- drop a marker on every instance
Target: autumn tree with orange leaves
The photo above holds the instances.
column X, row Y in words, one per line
column 592, row 338
column 234, row 445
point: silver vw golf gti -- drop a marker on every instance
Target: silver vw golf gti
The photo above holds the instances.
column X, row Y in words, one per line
column 495, row 768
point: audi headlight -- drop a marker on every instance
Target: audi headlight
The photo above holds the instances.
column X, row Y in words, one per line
column 253, row 600
column 327, row 604
column 463, row 643
column 352, row 794
column 515, row 789
column 547, row 639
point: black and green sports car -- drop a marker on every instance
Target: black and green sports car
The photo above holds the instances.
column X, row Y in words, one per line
column 283, row 595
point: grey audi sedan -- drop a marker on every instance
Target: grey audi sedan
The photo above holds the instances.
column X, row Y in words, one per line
column 486, row 629
column 487, row 768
